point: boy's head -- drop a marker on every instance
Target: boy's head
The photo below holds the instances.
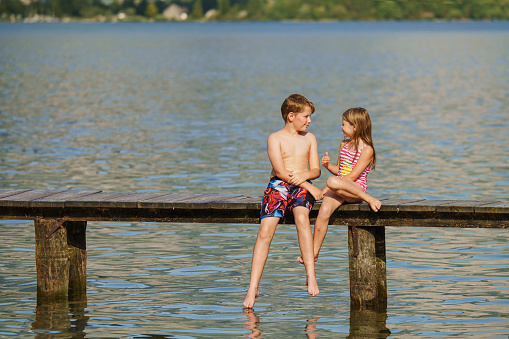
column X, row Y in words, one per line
column 295, row 103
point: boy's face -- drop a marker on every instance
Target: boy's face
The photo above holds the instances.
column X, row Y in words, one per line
column 302, row 120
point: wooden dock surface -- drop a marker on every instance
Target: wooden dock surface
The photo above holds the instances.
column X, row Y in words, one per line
column 76, row 205
column 61, row 216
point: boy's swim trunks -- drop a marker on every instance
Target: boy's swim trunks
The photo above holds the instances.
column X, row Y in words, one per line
column 280, row 196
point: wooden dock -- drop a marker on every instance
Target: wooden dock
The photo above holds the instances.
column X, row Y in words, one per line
column 61, row 215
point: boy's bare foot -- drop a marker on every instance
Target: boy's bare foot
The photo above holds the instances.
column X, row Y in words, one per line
column 299, row 259
column 250, row 298
column 312, row 287
column 375, row 204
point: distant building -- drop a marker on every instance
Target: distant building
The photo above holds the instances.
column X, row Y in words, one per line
column 175, row 12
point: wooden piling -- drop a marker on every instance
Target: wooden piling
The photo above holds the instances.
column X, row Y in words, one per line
column 367, row 261
column 77, row 253
column 52, row 261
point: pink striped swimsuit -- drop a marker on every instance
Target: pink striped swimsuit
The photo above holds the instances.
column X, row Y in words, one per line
column 347, row 161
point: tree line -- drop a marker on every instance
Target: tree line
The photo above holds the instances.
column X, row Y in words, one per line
column 259, row 9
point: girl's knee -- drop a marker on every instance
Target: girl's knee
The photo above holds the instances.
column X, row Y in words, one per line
column 335, row 183
column 325, row 211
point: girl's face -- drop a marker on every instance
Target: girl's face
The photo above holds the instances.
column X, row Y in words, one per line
column 348, row 129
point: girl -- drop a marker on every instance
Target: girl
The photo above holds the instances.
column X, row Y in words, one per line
column 356, row 157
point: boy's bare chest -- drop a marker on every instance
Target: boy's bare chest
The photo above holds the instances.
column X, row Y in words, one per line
column 295, row 149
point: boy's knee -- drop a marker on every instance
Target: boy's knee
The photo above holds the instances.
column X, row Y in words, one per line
column 265, row 233
column 301, row 218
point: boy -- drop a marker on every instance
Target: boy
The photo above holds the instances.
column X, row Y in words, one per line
column 293, row 153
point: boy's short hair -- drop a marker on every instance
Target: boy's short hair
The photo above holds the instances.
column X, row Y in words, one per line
column 295, row 103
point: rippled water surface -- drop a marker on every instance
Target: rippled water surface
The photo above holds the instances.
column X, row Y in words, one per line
column 187, row 107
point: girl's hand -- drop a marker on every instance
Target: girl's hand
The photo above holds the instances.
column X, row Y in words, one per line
column 326, row 160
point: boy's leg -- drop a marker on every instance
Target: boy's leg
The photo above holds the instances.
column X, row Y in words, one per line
column 331, row 201
column 260, row 253
column 301, row 216
column 352, row 192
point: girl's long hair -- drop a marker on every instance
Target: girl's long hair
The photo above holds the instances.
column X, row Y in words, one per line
column 359, row 117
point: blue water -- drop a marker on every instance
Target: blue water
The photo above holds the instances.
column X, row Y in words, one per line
column 187, row 108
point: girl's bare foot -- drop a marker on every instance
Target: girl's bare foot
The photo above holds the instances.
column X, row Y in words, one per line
column 312, row 287
column 299, row 259
column 251, row 295
column 375, row 204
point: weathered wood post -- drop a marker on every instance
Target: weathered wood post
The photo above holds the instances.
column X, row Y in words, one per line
column 52, row 260
column 61, row 259
column 77, row 253
column 368, row 279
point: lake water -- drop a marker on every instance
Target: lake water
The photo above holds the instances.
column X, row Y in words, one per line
column 187, row 107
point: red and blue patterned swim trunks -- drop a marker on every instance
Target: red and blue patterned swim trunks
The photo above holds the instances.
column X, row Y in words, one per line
column 280, row 196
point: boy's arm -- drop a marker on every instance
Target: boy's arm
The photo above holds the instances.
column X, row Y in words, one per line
column 315, row 191
column 314, row 165
column 276, row 159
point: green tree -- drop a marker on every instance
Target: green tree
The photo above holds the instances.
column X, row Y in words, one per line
column 223, row 6
column 255, row 9
column 197, row 12
column 15, row 7
column 151, row 10
column 389, row 10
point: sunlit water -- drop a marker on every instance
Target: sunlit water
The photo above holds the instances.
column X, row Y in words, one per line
column 187, row 108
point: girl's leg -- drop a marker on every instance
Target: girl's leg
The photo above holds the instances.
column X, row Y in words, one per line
column 352, row 192
column 301, row 215
column 260, row 254
column 331, row 201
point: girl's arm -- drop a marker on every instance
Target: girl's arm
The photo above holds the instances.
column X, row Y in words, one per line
column 334, row 169
column 364, row 161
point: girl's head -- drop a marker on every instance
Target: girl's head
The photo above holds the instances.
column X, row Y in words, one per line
column 359, row 118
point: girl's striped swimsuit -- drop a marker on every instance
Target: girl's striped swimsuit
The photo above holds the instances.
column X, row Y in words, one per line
column 347, row 161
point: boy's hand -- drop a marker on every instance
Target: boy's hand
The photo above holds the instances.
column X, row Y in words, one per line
column 297, row 179
column 325, row 190
column 326, row 160
column 316, row 193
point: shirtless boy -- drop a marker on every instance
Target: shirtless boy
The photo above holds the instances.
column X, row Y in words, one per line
column 293, row 153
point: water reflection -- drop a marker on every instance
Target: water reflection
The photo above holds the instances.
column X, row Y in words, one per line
column 253, row 324
column 60, row 320
column 368, row 324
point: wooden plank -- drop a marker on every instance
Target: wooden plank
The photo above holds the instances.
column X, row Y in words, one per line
column 129, row 200
column 419, row 205
column 10, row 192
column 166, row 201
column 93, row 200
column 59, row 199
column 24, row 199
column 461, row 206
column 205, row 201
column 499, row 207
column 237, row 202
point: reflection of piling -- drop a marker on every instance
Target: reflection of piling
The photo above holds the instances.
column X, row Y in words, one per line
column 368, row 281
column 368, row 324
column 61, row 319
